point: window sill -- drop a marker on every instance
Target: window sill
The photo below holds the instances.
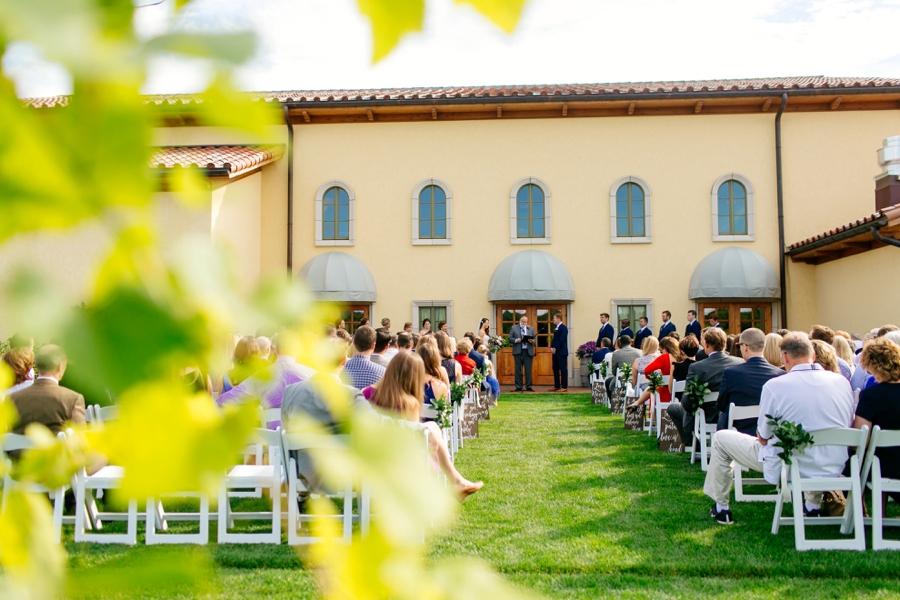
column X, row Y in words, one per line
column 334, row 243
column 437, row 242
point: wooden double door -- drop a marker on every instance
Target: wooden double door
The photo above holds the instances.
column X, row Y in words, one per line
column 540, row 317
column 735, row 317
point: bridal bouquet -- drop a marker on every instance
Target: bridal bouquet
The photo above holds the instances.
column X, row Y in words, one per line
column 496, row 343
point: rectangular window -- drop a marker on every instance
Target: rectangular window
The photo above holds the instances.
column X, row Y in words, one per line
column 632, row 309
column 436, row 311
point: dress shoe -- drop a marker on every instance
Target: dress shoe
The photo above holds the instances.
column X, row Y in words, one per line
column 529, row 389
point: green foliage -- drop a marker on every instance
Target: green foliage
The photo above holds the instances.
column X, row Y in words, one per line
column 654, row 381
column 624, row 373
column 696, row 391
column 603, row 367
column 444, row 410
column 792, row 439
column 457, row 393
column 476, row 380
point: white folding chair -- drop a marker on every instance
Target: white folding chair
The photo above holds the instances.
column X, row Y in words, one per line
column 107, row 478
column 792, row 484
column 881, row 438
column 429, row 413
column 260, row 476
column 737, row 413
column 333, row 443
column 703, row 433
column 157, row 522
column 12, row 442
column 655, row 411
column 677, row 386
column 102, row 414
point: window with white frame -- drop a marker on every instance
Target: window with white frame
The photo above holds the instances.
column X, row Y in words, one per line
column 436, row 311
column 335, row 214
column 530, row 215
column 432, row 221
column 733, row 213
column 630, row 214
column 632, row 309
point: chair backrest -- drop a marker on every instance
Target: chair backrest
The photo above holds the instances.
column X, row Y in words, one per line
column 428, row 413
column 641, row 379
column 89, row 414
column 841, row 436
column 710, row 397
column 304, row 441
column 102, row 414
column 665, row 379
column 269, row 415
column 678, row 386
column 736, row 413
column 10, row 442
column 881, row 438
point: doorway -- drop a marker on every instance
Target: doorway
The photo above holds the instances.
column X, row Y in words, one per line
column 540, row 316
column 735, row 317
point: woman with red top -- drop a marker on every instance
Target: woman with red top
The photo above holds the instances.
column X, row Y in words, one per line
column 463, row 347
column 662, row 363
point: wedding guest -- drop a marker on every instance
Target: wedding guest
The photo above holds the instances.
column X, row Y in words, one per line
column 445, row 347
column 807, row 395
column 742, row 384
column 344, row 336
column 404, row 342
column 414, row 340
column 709, row 371
column 826, row 334
column 772, row 350
column 265, row 346
column 671, row 354
column 473, row 353
column 442, row 326
column 489, row 379
column 401, row 393
column 667, row 327
column 386, row 323
column 825, row 356
column 20, row 360
column 688, row 348
column 436, row 384
column 382, row 341
column 45, row 401
column 880, row 403
column 392, row 348
column 362, row 323
column 247, row 361
column 359, row 370
column 649, row 353
column 604, row 348
column 625, row 329
column 463, row 348
column 407, row 327
column 844, row 351
column 693, row 326
column 626, row 354
column 885, row 329
column 426, row 327
column 606, row 329
column 783, row 332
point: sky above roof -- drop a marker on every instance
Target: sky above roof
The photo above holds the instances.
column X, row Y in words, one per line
column 321, row 44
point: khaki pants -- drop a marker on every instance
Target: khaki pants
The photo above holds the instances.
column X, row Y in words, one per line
column 730, row 448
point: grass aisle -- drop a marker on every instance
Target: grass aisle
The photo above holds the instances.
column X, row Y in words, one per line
column 576, row 507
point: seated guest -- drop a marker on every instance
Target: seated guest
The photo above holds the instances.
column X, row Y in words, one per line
column 489, row 379
column 400, row 393
column 649, row 353
column 772, row 350
column 393, row 348
column 265, row 346
column 662, row 363
column 709, row 372
column 602, row 350
column 404, row 342
column 880, row 403
column 742, row 384
column 463, row 349
column 844, row 352
column 473, row 354
column 414, row 340
column 382, row 341
column 688, row 348
column 807, row 395
column 701, row 353
column 20, row 360
column 625, row 329
column 825, row 356
column 437, row 383
column 643, row 333
column 248, row 360
column 359, row 370
column 268, row 385
column 45, row 401
column 445, row 347
column 625, row 355
column 826, row 334
column 344, row 336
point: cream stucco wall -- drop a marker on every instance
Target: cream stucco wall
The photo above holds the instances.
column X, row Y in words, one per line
column 236, row 223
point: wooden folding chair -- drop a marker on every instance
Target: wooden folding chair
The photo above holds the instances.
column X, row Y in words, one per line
column 881, row 438
column 794, row 485
column 736, row 413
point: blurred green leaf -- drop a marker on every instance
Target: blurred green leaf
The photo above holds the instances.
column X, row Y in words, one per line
column 230, row 47
column 391, row 20
column 52, row 461
column 503, row 13
column 31, row 559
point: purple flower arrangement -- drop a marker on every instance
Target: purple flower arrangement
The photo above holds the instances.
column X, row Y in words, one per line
column 586, row 350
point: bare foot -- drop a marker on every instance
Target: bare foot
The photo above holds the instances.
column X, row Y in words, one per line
column 464, row 489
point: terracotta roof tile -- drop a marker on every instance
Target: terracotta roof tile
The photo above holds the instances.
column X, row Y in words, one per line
column 892, row 212
column 232, row 159
column 597, row 90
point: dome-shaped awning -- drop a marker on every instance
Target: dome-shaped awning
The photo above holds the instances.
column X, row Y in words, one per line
column 734, row 273
column 533, row 276
column 339, row 277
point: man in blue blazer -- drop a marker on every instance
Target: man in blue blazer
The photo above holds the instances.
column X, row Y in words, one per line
column 668, row 326
column 643, row 333
column 742, row 384
column 606, row 330
column 560, row 350
column 693, row 326
column 625, row 329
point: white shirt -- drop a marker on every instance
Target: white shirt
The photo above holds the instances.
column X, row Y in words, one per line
column 19, row 386
column 390, row 353
column 815, row 398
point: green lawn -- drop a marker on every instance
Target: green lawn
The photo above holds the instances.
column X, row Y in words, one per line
column 573, row 507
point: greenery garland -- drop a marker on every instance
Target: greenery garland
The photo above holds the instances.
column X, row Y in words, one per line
column 791, row 438
column 696, row 391
column 444, row 409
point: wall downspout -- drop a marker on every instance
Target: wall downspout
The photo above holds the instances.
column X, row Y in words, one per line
column 884, row 240
column 290, row 195
column 782, row 266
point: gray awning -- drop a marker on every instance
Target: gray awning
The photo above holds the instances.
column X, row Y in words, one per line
column 531, row 275
column 339, row 277
column 734, row 273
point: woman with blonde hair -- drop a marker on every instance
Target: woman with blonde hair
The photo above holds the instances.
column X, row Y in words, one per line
column 463, row 347
column 843, row 350
column 772, row 350
column 649, row 352
column 435, row 386
column 671, row 354
column 825, row 356
column 401, row 392
column 247, row 361
column 445, row 347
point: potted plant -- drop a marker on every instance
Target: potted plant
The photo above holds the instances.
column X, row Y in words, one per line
column 584, row 353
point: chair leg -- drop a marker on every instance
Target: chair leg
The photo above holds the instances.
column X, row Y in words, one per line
column 877, row 508
column 132, row 523
column 80, row 509
column 58, row 502
column 348, row 514
column 799, row 522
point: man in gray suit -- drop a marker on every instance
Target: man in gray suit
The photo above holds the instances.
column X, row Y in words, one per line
column 625, row 355
column 708, row 371
column 523, row 352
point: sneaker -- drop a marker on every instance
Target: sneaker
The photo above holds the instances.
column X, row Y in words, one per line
column 722, row 517
column 816, row 512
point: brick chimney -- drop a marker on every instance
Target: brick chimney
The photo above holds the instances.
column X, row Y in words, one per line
column 887, row 185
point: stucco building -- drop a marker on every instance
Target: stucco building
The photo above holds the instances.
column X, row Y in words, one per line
column 462, row 203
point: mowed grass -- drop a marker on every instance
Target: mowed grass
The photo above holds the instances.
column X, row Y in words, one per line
column 573, row 507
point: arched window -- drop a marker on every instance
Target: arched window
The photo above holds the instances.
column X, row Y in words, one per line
column 530, row 217
column 732, row 209
column 335, row 214
column 630, row 214
column 432, row 213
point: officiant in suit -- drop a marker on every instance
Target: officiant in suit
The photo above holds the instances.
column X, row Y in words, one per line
column 560, row 350
column 523, row 352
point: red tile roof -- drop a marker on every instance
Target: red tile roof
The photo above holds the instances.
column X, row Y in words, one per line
column 889, row 214
column 546, row 91
column 231, row 160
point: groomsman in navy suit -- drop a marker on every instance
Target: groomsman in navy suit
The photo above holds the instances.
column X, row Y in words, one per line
column 667, row 327
column 714, row 321
column 625, row 329
column 560, row 350
column 606, row 330
column 693, row 325
column 643, row 333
